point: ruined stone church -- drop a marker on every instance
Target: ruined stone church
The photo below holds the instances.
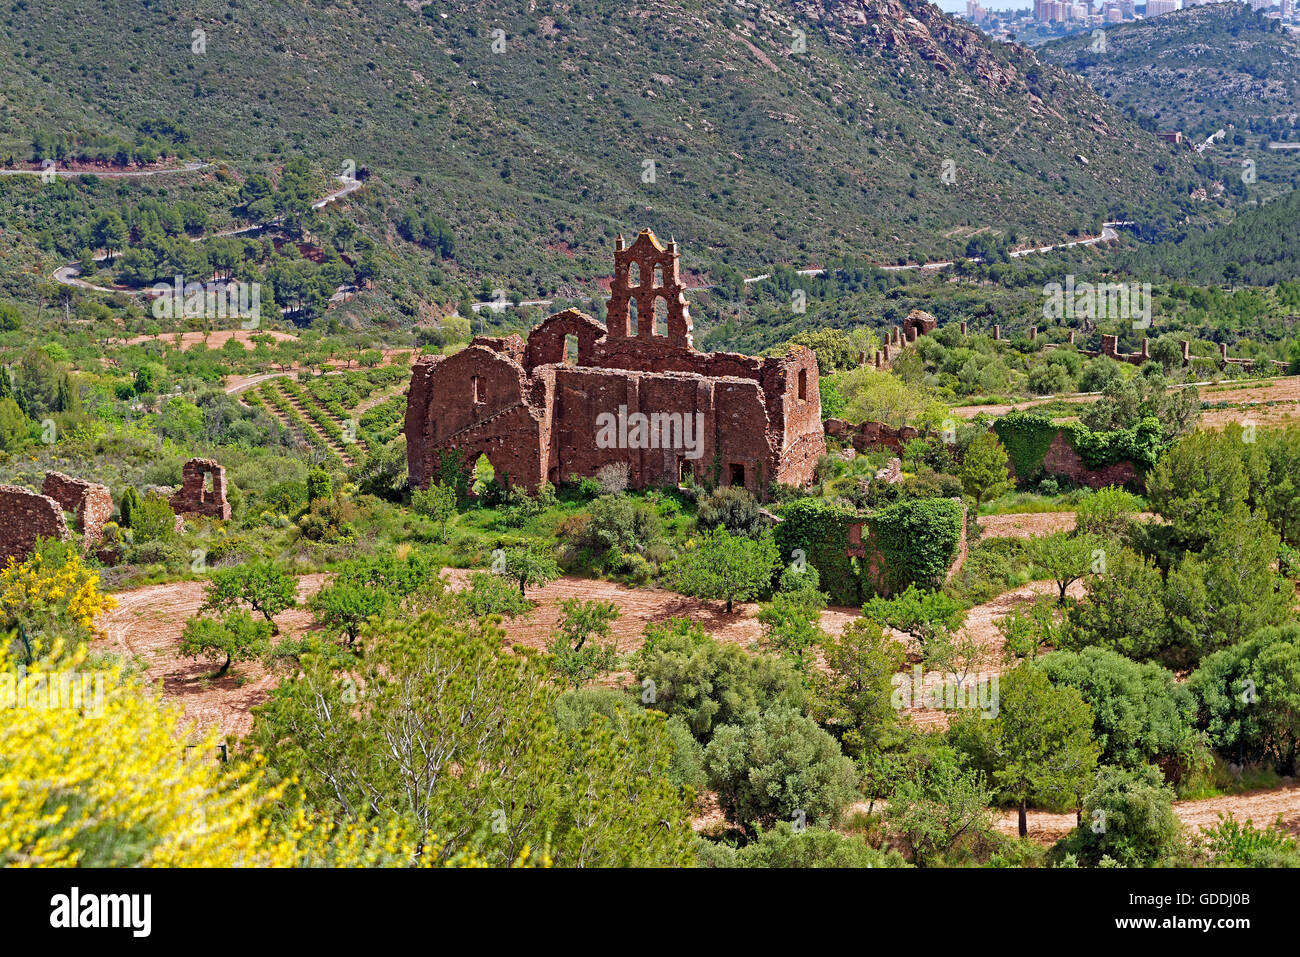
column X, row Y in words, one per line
column 578, row 395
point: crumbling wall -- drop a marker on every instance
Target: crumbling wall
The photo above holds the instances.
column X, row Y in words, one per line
column 90, row 503
column 862, row 544
column 871, row 436
column 194, row 497
column 1062, row 459
column 26, row 516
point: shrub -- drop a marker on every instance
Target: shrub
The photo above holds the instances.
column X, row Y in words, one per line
column 153, row 520
column 492, row 594
column 318, row 485
column 1249, row 697
column 234, row 637
column 778, row 765
column 613, row 477
column 819, row 530
column 613, row 521
column 1128, row 817
column 683, row 672
column 128, row 506
column 574, row 711
column 733, row 508
column 1107, row 512
column 784, row 846
column 1231, row 844
column 727, row 567
column 1141, row 713
column 917, row 541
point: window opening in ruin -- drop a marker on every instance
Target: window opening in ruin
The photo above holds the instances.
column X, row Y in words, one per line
column 634, row 274
column 737, row 474
column 661, row 316
column 632, row 324
column 683, row 470
column 482, row 475
column 803, row 385
column 659, row 276
column 476, row 385
column 571, row 350
column 207, row 484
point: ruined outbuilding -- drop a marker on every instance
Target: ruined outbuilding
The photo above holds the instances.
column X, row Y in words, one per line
column 202, row 491
column 90, row 503
column 26, row 516
column 578, row 395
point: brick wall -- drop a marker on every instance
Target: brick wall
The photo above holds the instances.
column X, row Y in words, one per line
column 24, row 517
column 537, row 414
column 195, row 497
column 90, row 503
column 1062, row 459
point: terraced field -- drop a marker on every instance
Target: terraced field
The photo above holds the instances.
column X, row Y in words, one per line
column 342, row 415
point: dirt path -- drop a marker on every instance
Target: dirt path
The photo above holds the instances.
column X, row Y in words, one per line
column 637, row 607
column 1274, row 401
column 1025, row 524
column 981, row 626
column 145, row 628
column 214, row 339
column 1261, row 808
column 90, row 169
column 148, row 622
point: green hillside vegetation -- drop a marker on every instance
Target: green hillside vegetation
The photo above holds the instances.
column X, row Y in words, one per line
column 759, row 154
column 1220, row 66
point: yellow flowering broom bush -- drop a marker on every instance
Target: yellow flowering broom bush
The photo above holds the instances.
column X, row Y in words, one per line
column 53, row 599
column 107, row 783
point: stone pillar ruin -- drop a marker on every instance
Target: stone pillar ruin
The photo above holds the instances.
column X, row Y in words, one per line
column 24, row 517
column 194, row 498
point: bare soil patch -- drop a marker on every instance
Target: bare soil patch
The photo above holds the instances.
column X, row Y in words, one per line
column 1261, row 808
column 1026, row 524
column 145, row 628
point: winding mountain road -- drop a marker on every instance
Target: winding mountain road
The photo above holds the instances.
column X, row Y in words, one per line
column 69, row 274
column 1109, row 232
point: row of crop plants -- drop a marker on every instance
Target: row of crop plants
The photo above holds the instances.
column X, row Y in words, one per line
column 271, row 394
column 328, row 423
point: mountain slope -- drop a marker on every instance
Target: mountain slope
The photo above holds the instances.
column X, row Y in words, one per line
column 540, row 130
column 1219, row 66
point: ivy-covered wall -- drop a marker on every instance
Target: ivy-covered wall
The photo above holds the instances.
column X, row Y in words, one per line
column 1027, row 437
column 821, row 530
column 915, row 540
